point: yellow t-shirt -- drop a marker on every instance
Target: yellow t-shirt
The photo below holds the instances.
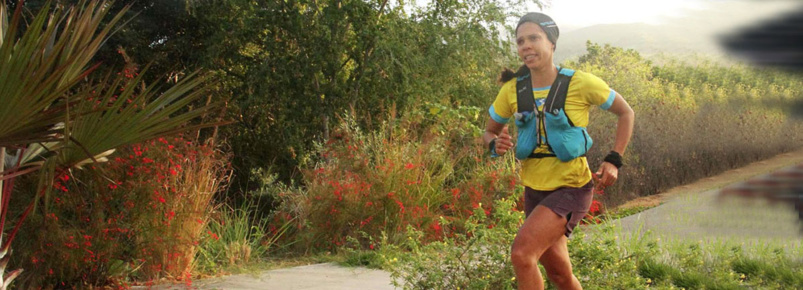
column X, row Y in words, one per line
column 550, row 173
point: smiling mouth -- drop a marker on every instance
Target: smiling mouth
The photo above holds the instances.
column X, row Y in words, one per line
column 529, row 57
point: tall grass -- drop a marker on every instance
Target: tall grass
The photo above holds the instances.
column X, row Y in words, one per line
column 235, row 239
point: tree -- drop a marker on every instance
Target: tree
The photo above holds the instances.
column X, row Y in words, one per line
column 293, row 66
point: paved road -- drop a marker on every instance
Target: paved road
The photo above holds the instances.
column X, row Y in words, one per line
column 312, row 277
column 710, row 216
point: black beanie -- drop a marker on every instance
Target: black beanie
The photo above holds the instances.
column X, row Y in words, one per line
column 546, row 23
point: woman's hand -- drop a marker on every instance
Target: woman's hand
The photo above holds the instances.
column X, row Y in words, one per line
column 606, row 175
column 503, row 142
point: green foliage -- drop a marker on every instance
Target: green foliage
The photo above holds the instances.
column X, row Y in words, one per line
column 655, row 271
column 53, row 61
column 294, row 66
column 602, row 258
column 162, row 33
column 474, row 259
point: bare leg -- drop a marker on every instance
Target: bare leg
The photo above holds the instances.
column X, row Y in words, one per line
column 538, row 233
column 559, row 267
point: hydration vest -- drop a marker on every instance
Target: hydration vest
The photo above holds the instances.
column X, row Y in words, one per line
column 564, row 140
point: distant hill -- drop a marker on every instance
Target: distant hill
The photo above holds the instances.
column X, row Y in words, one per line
column 645, row 38
column 696, row 32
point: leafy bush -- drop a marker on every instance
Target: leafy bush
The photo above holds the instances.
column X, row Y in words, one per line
column 476, row 258
column 369, row 183
column 137, row 217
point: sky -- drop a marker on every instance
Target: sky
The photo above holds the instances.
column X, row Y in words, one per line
column 580, row 13
column 573, row 14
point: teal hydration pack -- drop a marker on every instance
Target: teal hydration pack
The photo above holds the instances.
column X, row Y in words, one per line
column 564, row 140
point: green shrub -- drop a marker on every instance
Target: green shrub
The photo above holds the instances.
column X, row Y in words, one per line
column 475, row 259
column 655, row 271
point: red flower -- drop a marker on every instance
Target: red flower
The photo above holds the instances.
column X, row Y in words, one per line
column 401, row 205
column 595, row 205
column 409, row 166
column 213, row 235
column 366, row 221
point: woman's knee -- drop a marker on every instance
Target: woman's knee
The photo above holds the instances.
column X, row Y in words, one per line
column 523, row 255
column 522, row 259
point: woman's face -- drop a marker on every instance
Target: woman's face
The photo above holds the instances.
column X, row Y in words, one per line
column 534, row 47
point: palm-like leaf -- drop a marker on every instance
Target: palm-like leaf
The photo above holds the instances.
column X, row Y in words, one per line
column 130, row 116
column 40, row 66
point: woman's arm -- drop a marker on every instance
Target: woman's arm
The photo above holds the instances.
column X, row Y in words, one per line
column 608, row 173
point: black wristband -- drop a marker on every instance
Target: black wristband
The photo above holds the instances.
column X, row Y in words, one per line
column 614, row 158
column 492, row 146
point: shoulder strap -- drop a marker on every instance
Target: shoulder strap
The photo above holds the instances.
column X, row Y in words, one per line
column 524, row 94
column 556, row 99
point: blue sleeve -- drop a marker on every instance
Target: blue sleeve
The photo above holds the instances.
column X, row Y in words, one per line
column 609, row 102
column 496, row 117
